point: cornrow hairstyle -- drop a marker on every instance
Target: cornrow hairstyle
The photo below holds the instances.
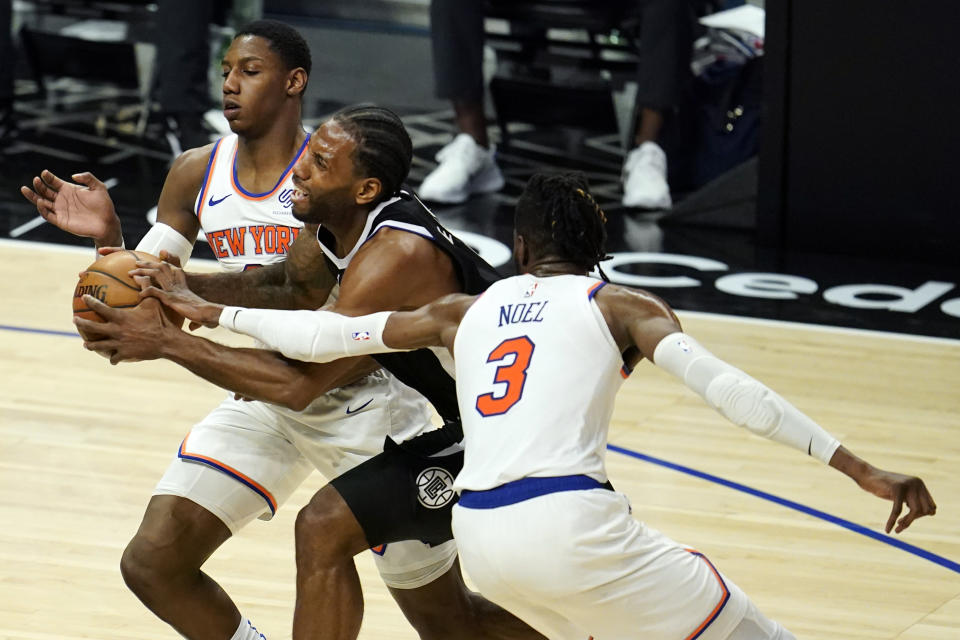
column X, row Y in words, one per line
column 384, row 150
column 557, row 214
column 284, row 40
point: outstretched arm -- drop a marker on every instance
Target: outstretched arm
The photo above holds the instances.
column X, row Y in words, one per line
column 144, row 333
column 395, row 270
column 302, row 281
column 377, row 281
column 313, row 336
column 323, row 336
column 84, row 209
column 648, row 324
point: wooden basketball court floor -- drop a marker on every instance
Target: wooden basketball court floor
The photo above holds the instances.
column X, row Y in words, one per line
column 82, row 444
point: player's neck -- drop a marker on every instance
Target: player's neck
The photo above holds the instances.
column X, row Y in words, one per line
column 347, row 229
column 555, row 267
column 269, row 154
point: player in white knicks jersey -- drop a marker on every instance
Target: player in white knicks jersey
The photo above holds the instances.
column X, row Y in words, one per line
column 246, row 458
column 539, row 358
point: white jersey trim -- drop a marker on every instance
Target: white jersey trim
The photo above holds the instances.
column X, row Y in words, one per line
column 403, row 226
column 342, row 263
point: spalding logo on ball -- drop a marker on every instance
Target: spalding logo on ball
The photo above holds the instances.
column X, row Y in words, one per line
column 435, row 487
column 108, row 280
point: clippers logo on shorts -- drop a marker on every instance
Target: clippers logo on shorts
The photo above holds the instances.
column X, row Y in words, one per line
column 360, row 336
column 435, row 488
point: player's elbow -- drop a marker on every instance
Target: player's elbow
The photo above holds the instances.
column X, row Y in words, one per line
column 296, row 399
column 299, row 393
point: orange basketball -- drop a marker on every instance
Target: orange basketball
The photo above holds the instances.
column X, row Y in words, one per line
column 109, row 281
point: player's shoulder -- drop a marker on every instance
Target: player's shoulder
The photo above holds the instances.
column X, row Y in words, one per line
column 394, row 244
column 188, row 170
column 405, row 208
column 191, row 165
column 637, row 301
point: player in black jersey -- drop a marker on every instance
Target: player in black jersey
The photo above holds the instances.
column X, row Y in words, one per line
column 389, row 253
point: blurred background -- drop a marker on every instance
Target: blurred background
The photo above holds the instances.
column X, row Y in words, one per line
column 786, row 160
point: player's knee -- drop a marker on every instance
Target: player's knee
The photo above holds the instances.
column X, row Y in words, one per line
column 321, row 527
column 143, row 568
column 155, row 560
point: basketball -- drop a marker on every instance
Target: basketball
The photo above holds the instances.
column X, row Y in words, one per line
column 109, row 281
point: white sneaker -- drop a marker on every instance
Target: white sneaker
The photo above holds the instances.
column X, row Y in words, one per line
column 645, row 178
column 465, row 168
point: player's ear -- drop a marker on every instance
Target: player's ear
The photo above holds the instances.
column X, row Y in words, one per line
column 369, row 191
column 521, row 253
column 296, row 82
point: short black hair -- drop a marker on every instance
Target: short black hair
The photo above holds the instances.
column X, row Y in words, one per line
column 557, row 214
column 284, row 40
column 384, row 150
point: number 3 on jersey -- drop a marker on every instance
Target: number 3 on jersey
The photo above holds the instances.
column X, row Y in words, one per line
column 514, row 375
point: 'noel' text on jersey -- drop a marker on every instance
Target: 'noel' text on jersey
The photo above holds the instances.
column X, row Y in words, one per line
column 522, row 312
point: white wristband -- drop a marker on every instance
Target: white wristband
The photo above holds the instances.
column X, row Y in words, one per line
column 741, row 399
column 163, row 237
column 311, row 336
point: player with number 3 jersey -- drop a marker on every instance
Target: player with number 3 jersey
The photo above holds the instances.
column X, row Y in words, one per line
column 539, row 359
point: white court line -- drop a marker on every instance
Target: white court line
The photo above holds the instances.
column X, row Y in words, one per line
column 33, row 245
column 826, row 328
column 28, row 244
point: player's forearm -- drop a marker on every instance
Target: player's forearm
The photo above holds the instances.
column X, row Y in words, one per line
column 253, row 373
column 846, row 462
column 741, row 399
column 310, row 336
column 263, row 288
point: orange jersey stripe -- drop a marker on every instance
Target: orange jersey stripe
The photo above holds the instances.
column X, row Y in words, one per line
column 723, row 599
column 263, row 196
column 206, row 178
column 216, row 464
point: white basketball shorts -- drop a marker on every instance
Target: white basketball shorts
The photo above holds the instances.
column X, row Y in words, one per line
column 575, row 563
column 245, row 459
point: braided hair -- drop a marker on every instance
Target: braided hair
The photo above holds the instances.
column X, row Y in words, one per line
column 384, row 150
column 284, row 40
column 557, row 214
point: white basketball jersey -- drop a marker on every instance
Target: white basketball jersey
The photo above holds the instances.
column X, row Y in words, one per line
column 245, row 229
column 537, row 373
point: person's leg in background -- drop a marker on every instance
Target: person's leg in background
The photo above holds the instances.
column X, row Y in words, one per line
column 467, row 164
column 183, row 54
column 7, row 127
column 666, row 43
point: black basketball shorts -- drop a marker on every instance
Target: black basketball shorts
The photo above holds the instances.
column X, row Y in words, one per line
column 402, row 494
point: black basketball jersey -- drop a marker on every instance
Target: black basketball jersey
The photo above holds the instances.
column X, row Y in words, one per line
column 422, row 369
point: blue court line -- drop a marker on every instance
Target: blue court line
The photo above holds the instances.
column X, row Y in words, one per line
column 49, row 332
column 816, row 513
column 796, row 506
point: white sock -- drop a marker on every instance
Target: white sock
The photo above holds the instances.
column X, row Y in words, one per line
column 246, row 631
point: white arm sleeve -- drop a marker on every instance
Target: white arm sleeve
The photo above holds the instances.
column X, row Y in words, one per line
column 311, row 336
column 162, row 236
column 741, row 399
